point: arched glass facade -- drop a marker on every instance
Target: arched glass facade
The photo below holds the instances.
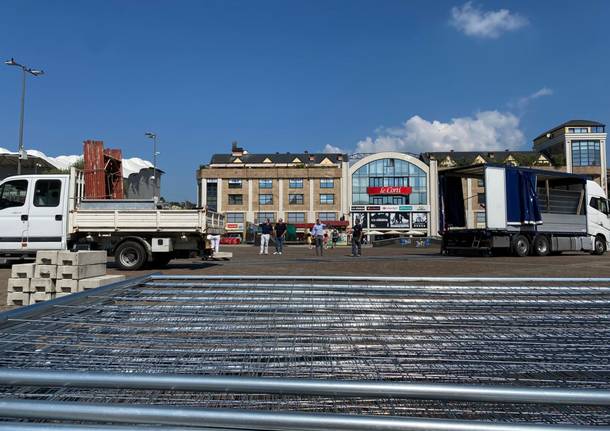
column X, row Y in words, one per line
column 389, row 173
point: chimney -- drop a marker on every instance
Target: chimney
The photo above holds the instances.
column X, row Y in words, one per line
column 235, row 150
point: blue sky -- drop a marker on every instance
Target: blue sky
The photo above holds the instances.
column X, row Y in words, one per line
column 290, row 76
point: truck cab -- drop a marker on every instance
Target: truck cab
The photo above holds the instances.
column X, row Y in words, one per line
column 33, row 213
column 598, row 216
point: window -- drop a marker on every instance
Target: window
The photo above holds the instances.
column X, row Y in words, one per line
column 600, row 204
column 212, row 195
column 295, row 183
column 265, row 184
column 12, row 193
column 327, row 199
column 480, row 218
column 235, row 217
column 326, row 216
column 296, row 218
column 585, row 153
column 263, row 216
column 480, row 183
column 481, row 199
column 578, row 130
column 235, row 183
column 265, row 199
column 327, row 183
column 236, row 199
column 598, row 129
column 294, row 199
column 47, row 193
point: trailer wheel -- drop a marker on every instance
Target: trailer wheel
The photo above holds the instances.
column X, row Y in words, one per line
column 599, row 247
column 542, row 246
column 521, row 246
column 130, row 256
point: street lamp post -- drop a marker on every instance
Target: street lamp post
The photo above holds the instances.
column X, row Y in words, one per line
column 153, row 136
column 34, row 72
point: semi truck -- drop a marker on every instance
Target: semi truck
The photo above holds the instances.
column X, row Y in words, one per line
column 48, row 212
column 526, row 211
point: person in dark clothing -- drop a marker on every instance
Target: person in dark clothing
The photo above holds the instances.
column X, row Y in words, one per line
column 357, row 238
column 280, row 236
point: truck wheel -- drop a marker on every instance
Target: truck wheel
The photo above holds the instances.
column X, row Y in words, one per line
column 542, row 247
column 130, row 256
column 521, row 246
column 599, row 247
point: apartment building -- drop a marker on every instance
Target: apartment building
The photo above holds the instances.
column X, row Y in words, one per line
column 577, row 146
column 249, row 188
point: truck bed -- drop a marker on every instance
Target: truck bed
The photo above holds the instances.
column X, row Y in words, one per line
column 187, row 221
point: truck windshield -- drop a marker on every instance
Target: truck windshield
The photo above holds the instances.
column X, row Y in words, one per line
column 13, row 193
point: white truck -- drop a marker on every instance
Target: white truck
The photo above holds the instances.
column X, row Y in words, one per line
column 48, row 212
column 526, row 211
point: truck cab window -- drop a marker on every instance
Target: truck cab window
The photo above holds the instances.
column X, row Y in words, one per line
column 47, row 193
column 13, row 193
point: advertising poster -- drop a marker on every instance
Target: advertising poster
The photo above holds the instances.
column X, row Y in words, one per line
column 361, row 216
column 379, row 220
column 420, row 220
column 400, row 220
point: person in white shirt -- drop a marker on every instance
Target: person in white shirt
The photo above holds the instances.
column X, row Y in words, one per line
column 317, row 232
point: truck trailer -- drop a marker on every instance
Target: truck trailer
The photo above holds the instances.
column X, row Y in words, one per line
column 48, row 212
column 527, row 211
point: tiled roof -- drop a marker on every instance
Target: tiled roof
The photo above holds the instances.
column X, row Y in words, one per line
column 464, row 158
column 571, row 123
column 281, row 158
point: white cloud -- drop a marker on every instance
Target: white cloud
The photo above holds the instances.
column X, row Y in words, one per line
column 488, row 130
column 332, row 149
column 473, row 21
column 524, row 101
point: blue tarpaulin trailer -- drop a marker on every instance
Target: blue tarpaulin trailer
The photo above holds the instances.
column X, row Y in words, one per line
column 526, row 211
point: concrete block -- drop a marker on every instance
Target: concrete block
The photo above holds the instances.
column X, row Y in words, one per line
column 80, row 272
column 18, row 298
column 46, row 257
column 42, row 285
column 92, row 283
column 66, row 286
column 223, row 255
column 21, row 285
column 23, row 270
column 37, row 297
column 46, row 271
column 84, row 257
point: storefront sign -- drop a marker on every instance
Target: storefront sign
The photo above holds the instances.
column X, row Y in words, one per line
column 419, row 220
column 390, row 208
column 235, row 226
column 389, row 190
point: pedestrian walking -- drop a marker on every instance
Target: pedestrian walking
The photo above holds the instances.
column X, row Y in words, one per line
column 266, row 231
column 308, row 239
column 280, row 236
column 317, row 232
column 335, row 237
column 357, row 238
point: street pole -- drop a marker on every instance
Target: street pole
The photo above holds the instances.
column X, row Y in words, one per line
column 153, row 136
column 34, row 72
column 21, row 149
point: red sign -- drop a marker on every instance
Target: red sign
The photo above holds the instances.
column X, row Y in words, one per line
column 389, row 190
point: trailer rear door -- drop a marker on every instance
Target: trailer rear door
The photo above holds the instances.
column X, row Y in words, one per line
column 495, row 197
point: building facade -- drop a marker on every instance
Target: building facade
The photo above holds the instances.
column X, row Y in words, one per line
column 577, row 146
column 393, row 193
column 249, row 188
